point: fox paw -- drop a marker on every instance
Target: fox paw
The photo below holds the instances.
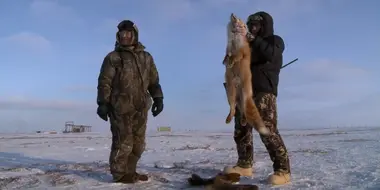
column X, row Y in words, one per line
column 226, row 60
column 228, row 119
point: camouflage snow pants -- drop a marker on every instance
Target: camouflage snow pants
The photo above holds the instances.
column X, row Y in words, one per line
column 266, row 103
column 128, row 142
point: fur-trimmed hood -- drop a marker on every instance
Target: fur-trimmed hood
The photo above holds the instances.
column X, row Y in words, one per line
column 266, row 21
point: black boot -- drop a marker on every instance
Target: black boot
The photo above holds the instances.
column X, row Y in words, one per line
column 142, row 177
column 128, row 178
column 132, row 178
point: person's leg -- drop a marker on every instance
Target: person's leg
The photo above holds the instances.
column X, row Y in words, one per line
column 139, row 130
column 267, row 105
column 122, row 144
column 244, row 144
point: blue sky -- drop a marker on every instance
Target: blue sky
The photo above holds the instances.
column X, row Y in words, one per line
column 51, row 53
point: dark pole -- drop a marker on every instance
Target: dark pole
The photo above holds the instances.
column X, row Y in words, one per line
column 289, row 63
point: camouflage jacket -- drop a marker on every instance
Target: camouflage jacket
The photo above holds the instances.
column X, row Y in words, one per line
column 128, row 79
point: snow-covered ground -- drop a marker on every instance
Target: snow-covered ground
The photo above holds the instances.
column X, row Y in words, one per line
column 321, row 159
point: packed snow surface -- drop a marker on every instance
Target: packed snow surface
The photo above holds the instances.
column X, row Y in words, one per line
column 335, row 159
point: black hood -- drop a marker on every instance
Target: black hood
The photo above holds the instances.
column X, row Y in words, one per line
column 266, row 21
column 128, row 25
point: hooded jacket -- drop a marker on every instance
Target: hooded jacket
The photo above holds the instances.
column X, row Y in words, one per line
column 128, row 79
column 267, row 50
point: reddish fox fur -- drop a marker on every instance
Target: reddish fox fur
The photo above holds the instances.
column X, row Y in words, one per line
column 239, row 78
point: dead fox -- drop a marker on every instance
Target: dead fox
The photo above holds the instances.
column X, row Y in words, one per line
column 239, row 78
column 221, row 182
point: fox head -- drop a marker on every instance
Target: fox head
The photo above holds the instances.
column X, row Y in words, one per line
column 237, row 25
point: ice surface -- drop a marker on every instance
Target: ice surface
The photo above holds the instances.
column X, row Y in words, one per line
column 321, row 159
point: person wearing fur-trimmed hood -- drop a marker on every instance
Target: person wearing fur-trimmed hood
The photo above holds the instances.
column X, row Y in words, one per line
column 267, row 49
column 127, row 83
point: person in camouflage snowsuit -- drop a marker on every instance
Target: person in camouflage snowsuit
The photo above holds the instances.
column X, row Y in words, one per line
column 127, row 83
column 266, row 63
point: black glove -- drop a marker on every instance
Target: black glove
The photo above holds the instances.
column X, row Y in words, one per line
column 102, row 112
column 158, row 106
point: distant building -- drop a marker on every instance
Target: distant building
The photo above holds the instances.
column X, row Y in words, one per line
column 70, row 127
column 50, row 132
column 164, row 129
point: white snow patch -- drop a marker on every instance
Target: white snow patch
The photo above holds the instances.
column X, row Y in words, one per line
column 320, row 159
